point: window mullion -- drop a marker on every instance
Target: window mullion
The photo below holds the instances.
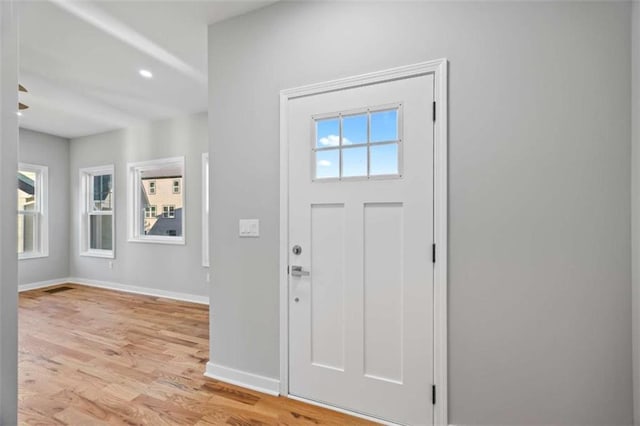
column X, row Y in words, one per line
column 340, row 145
column 368, row 143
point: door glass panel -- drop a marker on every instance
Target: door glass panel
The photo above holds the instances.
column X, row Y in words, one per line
column 328, row 164
column 354, row 162
column 327, row 133
column 384, row 126
column 354, row 129
column 384, row 159
column 358, row 144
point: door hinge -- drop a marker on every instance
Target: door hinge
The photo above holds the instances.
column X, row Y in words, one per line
column 434, row 111
column 433, row 253
column 288, row 270
column 433, row 394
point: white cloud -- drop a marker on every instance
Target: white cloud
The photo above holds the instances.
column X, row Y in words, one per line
column 324, row 163
column 331, row 140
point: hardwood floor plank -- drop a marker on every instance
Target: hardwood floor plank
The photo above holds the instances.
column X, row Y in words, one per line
column 167, row 410
column 90, row 356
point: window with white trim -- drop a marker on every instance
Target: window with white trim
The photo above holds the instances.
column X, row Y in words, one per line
column 97, row 222
column 152, row 186
column 365, row 143
column 33, row 229
column 150, row 212
column 169, row 212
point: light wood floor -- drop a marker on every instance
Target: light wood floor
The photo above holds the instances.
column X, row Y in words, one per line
column 90, row 356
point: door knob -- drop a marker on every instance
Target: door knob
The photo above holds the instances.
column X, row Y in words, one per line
column 297, row 271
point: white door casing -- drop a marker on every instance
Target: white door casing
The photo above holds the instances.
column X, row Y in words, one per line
column 358, row 332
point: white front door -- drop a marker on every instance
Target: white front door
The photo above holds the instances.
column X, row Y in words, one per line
column 361, row 220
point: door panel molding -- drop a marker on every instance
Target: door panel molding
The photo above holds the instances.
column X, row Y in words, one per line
column 438, row 68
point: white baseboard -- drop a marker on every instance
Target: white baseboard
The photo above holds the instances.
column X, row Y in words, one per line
column 243, row 379
column 41, row 284
column 185, row 297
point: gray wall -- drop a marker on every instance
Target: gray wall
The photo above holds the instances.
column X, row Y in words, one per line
column 52, row 151
column 8, row 236
column 173, row 268
column 540, row 130
column 635, row 191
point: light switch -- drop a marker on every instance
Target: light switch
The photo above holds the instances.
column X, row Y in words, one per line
column 249, row 228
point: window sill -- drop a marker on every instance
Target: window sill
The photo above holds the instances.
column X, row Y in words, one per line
column 159, row 240
column 103, row 255
column 33, row 256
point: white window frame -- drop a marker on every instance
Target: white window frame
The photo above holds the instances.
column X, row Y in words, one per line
column 173, row 186
column 152, row 187
column 205, row 209
column 134, row 205
column 86, row 191
column 41, row 211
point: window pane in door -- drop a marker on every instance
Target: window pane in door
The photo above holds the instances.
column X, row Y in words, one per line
column 384, row 126
column 100, row 235
column 354, row 162
column 354, row 129
column 384, row 159
column 328, row 164
column 327, row 133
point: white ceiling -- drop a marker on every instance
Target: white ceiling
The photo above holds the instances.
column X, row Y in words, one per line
column 80, row 61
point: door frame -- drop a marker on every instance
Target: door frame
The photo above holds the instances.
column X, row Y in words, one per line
column 438, row 68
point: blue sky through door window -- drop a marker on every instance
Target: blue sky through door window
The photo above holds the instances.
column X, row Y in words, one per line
column 360, row 144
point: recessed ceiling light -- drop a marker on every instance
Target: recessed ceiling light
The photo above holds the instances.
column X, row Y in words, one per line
column 146, row 73
column 19, row 114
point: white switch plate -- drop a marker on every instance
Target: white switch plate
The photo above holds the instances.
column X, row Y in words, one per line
column 249, row 228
